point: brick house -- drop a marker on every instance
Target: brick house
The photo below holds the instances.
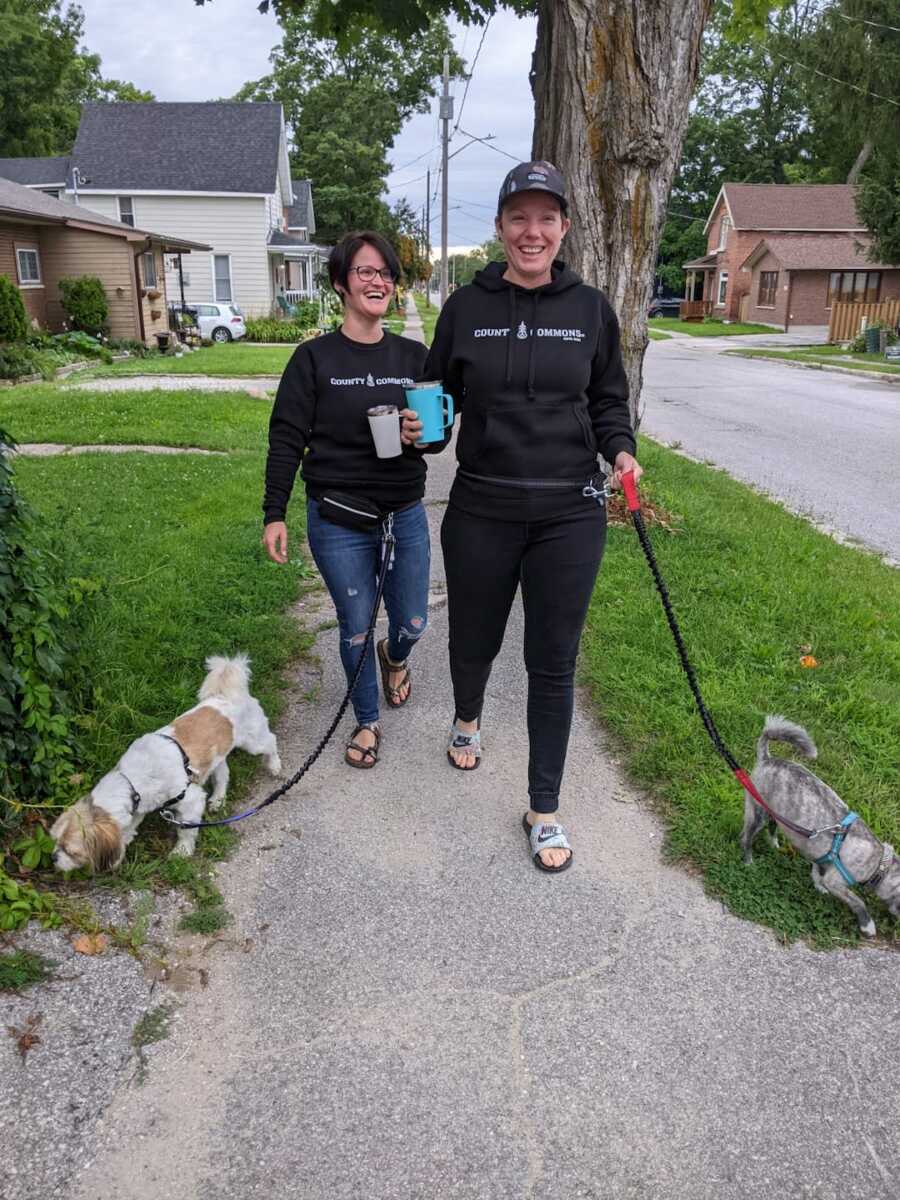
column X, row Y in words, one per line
column 779, row 254
column 43, row 240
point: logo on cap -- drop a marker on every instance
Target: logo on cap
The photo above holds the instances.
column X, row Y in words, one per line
column 538, row 177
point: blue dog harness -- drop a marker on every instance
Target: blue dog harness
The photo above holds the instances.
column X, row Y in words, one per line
column 833, row 857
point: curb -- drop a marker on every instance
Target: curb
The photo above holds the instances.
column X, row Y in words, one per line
column 881, row 376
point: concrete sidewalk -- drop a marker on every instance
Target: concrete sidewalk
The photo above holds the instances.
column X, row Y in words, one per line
column 413, row 1011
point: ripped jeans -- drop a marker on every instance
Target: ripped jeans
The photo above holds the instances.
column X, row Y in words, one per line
column 349, row 561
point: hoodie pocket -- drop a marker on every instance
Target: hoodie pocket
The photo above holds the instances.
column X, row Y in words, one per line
column 584, row 421
column 532, row 441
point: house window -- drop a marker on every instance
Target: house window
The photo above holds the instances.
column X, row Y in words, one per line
column 768, row 285
column 222, row 275
column 29, row 265
column 723, row 287
column 126, row 210
column 148, row 263
column 854, row 287
column 724, row 230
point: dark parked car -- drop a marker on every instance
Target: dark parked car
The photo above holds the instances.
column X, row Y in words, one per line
column 664, row 306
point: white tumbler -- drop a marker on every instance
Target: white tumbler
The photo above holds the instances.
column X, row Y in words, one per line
column 384, row 421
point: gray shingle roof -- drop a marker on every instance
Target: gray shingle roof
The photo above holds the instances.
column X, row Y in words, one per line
column 34, row 170
column 23, row 201
column 300, row 213
column 826, row 206
column 216, row 146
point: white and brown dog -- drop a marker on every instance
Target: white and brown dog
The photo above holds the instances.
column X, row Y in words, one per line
column 175, row 761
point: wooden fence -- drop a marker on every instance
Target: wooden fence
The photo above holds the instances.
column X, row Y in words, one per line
column 694, row 310
column 846, row 317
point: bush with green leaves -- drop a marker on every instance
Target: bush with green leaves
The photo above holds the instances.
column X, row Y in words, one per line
column 13, row 318
column 274, row 329
column 81, row 345
column 85, row 303
column 20, row 903
column 858, row 345
column 37, row 751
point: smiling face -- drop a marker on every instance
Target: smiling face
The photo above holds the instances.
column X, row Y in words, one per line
column 367, row 300
column 531, row 228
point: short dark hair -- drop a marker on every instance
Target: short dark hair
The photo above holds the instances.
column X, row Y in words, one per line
column 341, row 257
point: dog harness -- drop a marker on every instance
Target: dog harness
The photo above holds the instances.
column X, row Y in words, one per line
column 188, row 770
column 833, row 857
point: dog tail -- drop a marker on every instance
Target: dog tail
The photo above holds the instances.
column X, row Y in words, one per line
column 779, row 729
column 228, row 677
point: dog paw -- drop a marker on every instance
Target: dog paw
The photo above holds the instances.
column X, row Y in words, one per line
column 215, row 802
column 273, row 765
column 181, row 850
column 868, row 930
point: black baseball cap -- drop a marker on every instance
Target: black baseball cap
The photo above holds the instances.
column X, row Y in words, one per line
column 534, row 177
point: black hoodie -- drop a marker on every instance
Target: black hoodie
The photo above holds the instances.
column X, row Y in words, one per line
column 537, row 376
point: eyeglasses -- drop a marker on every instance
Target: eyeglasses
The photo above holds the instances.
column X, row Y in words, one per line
column 367, row 274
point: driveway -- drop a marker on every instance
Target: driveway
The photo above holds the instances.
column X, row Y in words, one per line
column 826, row 445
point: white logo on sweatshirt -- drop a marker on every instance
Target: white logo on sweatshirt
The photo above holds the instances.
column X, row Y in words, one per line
column 370, row 382
column 565, row 335
column 522, row 332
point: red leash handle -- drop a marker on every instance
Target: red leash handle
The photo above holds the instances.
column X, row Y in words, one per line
column 629, row 487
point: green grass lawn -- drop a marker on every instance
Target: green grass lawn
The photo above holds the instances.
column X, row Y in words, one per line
column 43, row 412
column 175, row 546
column 754, row 589
column 707, row 328
column 428, row 313
column 657, row 335
column 233, row 358
column 834, row 356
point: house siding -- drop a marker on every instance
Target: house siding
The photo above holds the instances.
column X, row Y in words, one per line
column 232, row 225
column 34, row 298
column 110, row 258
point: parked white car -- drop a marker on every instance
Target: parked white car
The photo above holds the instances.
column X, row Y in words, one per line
column 217, row 322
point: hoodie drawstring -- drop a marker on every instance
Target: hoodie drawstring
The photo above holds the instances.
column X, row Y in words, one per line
column 531, row 346
column 511, row 335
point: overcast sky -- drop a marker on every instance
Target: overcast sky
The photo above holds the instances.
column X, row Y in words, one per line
column 183, row 52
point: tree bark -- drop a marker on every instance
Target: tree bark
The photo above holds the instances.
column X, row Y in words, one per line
column 861, row 159
column 612, row 83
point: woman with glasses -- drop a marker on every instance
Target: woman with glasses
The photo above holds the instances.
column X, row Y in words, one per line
column 319, row 423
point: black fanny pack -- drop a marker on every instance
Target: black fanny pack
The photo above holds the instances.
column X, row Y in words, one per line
column 352, row 512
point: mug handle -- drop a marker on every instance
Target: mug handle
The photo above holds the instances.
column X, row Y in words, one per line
column 448, row 417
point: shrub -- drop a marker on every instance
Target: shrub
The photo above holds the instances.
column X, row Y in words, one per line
column 81, row 345
column 13, row 318
column 20, row 359
column 273, row 329
column 85, row 303
column 36, row 743
column 135, row 349
column 858, row 345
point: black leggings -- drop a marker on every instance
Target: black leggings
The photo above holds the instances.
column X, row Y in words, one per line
column 556, row 561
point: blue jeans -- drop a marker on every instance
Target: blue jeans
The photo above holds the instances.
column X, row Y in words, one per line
column 349, row 561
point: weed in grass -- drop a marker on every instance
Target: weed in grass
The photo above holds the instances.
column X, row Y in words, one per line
column 207, row 919
column 23, row 969
column 133, row 937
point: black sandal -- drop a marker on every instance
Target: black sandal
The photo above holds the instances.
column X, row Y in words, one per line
column 392, row 694
column 369, row 753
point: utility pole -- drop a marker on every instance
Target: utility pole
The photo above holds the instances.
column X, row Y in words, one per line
column 446, row 112
column 428, row 233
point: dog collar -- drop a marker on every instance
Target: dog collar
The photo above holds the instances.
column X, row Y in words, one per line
column 887, row 861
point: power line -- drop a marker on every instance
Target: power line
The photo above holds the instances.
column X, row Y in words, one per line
column 514, row 157
column 863, row 21
column 472, row 72
column 407, row 182
column 412, row 161
column 842, row 82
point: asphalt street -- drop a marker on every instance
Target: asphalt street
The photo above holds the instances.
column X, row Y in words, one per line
column 410, row 1010
column 826, row 444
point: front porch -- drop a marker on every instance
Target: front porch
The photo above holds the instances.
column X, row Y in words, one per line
column 295, row 266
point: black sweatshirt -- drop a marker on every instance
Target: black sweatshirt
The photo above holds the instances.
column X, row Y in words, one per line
column 320, row 409
column 537, row 375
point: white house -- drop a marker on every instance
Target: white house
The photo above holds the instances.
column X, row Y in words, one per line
column 215, row 172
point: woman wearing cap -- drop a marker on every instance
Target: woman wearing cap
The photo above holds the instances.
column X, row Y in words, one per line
column 531, row 356
column 320, row 419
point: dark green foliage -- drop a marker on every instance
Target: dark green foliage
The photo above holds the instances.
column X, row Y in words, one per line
column 878, row 204
column 36, row 753
column 85, row 303
column 13, row 318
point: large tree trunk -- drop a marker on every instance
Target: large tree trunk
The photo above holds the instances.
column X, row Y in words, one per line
column 861, row 159
column 612, row 82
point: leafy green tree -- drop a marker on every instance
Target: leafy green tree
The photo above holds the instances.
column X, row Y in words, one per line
column 878, row 203
column 45, row 77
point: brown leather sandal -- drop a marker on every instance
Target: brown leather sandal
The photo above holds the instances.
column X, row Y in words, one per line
column 392, row 694
column 369, row 753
